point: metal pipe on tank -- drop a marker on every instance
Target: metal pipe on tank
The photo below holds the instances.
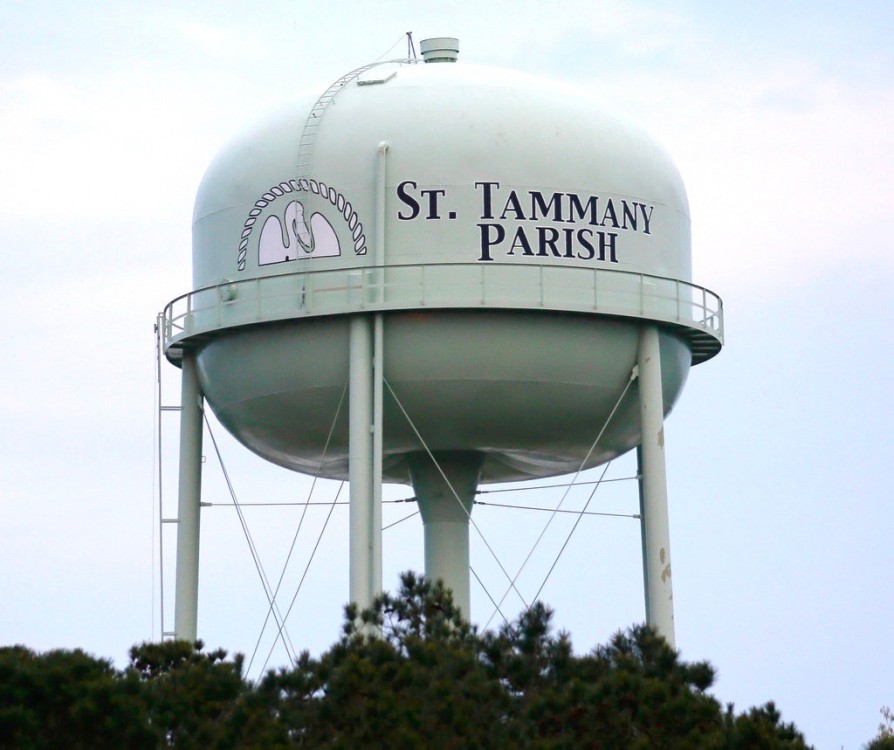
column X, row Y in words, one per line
column 378, row 377
column 186, row 597
column 653, row 488
column 381, row 173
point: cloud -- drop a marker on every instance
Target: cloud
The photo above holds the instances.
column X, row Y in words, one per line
column 781, row 186
column 229, row 42
column 789, row 165
column 787, row 158
column 127, row 145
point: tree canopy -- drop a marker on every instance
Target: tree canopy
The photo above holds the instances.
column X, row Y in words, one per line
column 407, row 673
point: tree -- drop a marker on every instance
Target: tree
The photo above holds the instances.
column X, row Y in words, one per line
column 409, row 672
column 68, row 699
column 429, row 679
column 404, row 674
column 761, row 727
column 190, row 697
column 884, row 740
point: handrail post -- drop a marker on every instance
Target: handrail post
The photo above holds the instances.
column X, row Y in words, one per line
column 595, row 288
column 642, row 295
column 677, row 292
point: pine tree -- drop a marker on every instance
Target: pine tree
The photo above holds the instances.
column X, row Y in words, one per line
column 409, row 672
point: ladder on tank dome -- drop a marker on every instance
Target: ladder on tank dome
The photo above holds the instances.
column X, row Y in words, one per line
column 315, row 117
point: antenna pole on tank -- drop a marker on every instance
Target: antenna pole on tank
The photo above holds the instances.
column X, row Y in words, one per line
column 653, row 489
column 186, row 601
column 378, row 374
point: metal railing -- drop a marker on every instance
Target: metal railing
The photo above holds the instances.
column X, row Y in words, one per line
column 696, row 311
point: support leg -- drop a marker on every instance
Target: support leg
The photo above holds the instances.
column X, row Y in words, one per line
column 653, row 489
column 375, row 562
column 186, row 603
column 360, row 469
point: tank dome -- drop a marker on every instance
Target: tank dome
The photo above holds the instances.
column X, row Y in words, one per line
column 469, row 148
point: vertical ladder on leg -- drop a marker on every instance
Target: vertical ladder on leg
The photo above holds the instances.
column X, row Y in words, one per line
column 163, row 520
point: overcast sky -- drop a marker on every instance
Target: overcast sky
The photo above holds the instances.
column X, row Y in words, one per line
column 781, row 121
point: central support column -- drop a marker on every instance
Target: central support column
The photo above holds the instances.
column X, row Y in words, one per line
column 186, row 595
column 445, row 502
column 653, row 489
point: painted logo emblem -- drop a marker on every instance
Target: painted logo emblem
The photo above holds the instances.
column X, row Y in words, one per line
column 288, row 233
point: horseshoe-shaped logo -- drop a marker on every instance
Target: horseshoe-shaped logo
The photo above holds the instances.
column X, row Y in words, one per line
column 287, row 234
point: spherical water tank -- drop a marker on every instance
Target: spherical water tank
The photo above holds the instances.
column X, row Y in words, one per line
column 514, row 236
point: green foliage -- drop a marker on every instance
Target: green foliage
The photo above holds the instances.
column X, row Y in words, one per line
column 191, row 697
column 407, row 673
column 68, row 699
column 631, row 693
column 404, row 674
column 761, row 727
column 884, row 740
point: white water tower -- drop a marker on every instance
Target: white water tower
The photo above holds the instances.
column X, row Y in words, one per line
column 493, row 268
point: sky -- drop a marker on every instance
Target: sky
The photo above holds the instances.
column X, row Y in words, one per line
column 780, row 118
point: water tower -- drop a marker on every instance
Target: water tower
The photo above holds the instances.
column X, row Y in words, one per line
column 488, row 268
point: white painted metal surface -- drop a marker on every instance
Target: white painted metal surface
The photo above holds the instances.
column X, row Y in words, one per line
column 445, row 493
column 360, row 399
column 653, row 495
column 478, row 158
column 189, row 503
